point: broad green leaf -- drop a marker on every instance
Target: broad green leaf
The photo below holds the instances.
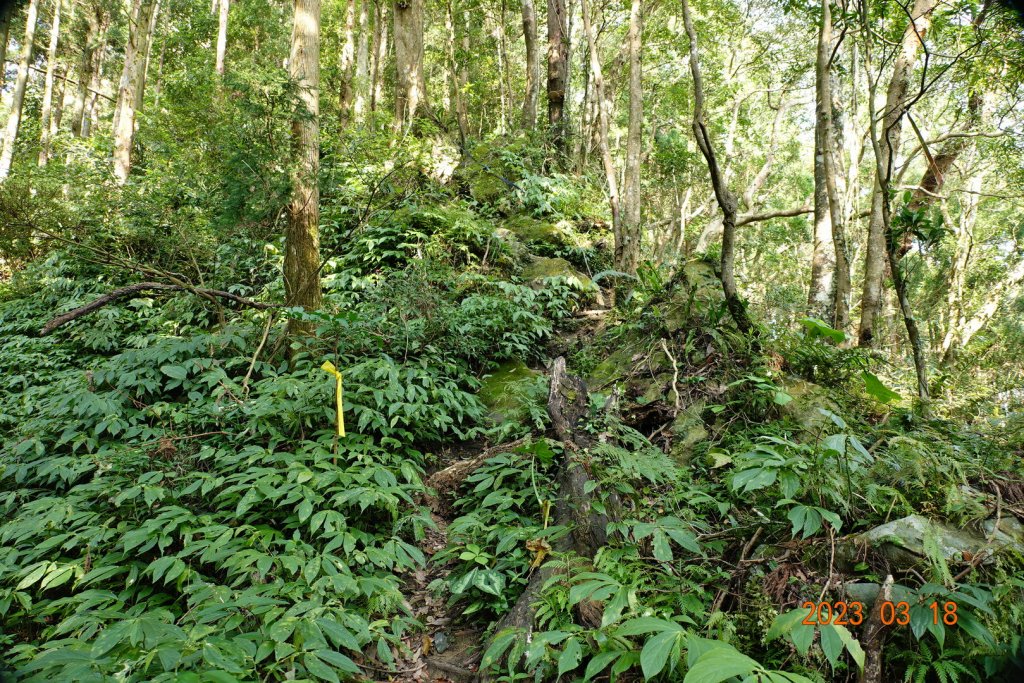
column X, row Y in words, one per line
column 877, row 389
column 720, row 664
column 570, row 657
column 656, row 652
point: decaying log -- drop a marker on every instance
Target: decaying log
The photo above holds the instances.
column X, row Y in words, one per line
column 140, row 287
column 568, row 406
column 873, row 637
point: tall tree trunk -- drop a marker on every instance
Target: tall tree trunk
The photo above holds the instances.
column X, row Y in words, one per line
column 558, row 73
column 627, row 243
column 302, row 238
column 504, row 89
column 51, row 70
column 362, row 78
column 895, row 108
column 222, row 35
column 532, row 93
column 410, row 81
column 5, row 36
column 456, row 70
column 18, row 97
column 377, row 50
column 89, row 114
column 86, row 66
column 142, row 65
column 958, row 269
column 131, row 76
column 726, row 201
column 606, row 155
column 821, row 294
column 346, row 65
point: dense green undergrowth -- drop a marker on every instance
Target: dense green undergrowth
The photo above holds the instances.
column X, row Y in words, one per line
column 176, row 505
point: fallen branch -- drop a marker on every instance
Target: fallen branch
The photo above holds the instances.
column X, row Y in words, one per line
column 139, row 287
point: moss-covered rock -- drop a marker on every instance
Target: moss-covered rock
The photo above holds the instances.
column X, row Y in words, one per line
column 688, row 430
column 540, row 268
column 809, row 400
column 510, row 391
column 902, row 542
column 696, row 285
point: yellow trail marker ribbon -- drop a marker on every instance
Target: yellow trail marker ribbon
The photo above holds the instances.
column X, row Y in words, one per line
column 329, row 368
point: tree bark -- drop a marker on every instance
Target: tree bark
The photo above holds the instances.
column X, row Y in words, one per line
column 5, row 36
column 89, row 115
column 131, row 77
column 346, row 66
column 821, row 294
column 86, row 66
column 51, row 68
column 627, row 245
column 377, row 50
column 302, row 237
column 895, row 108
column 410, row 81
column 603, row 125
column 18, row 97
column 456, row 72
column 142, row 65
column 558, row 73
column 222, row 36
column 532, row 93
column 726, row 200
column 362, row 77
column 958, row 269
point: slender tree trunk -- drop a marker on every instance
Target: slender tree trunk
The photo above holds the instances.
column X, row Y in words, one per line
column 627, row 249
column 86, row 65
column 131, row 76
column 377, row 50
column 142, row 65
column 821, row 294
column 606, row 155
column 346, row 66
column 362, row 78
column 532, row 93
column 958, row 267
column 89, row 114
column 5, row 36
column 18, row 97
column 51, row 70
column 504, row 91
column 302, row 239
column 558, row 73
column 726, row 201
column 410, row 81
column 222, row 35
column 895, row 108
column 58, row 101
column 456, row 85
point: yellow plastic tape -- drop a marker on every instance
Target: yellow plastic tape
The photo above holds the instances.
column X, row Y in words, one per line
column 328, row 367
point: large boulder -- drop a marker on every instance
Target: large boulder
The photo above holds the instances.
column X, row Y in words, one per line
column 901, row 542
column 540, row 268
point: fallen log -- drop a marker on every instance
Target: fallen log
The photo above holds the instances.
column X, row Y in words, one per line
column 568, row 406
column 140, row 287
